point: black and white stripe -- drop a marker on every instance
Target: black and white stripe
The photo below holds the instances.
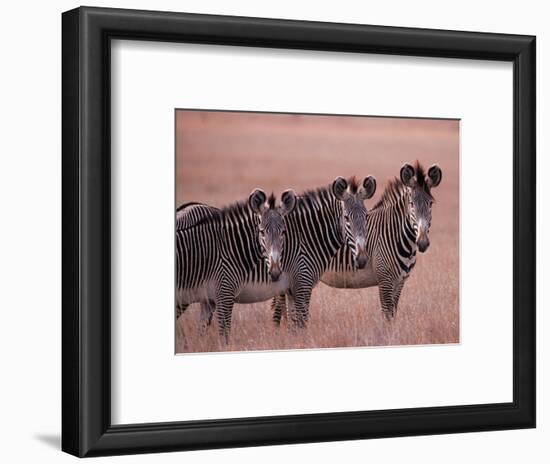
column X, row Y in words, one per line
column 323, row 221
column 217, row 252
column 396, row 228
column 191, row 213
column 229, row 250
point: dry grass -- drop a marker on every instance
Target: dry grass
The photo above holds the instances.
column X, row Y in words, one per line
column 221, row 157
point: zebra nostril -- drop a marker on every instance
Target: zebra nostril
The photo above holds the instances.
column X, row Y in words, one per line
column 275, row 275
column 423, row 245
column 361, row 261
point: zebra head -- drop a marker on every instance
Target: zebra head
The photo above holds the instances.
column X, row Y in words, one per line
column 271, row 227
column 352, row 195
column 421, row 185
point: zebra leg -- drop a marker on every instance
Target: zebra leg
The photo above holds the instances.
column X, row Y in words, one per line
column 207, row 311
column 180, row 309
column 397, row 294
column 278, row 306
column 224, row 310
column 298, row 307
column 386, row 293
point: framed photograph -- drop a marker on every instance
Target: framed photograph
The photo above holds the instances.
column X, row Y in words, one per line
column 214, row 148
column 284, row 231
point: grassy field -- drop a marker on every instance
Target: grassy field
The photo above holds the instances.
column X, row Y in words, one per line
column 222, row 157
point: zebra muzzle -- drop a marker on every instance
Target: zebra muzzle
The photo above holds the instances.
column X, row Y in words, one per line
column 275, row 273
column 423, row 244
column 361, row 261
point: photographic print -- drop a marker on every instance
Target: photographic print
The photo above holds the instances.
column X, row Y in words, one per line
column 298, row 231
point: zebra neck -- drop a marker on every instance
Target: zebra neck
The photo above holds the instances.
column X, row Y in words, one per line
column 315, row 226
column 240, row 239
column 403, row 209
column 406, row 245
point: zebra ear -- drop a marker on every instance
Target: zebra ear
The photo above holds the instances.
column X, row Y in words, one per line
column 407, row 175
column 288, row 202
column 257, row 201
column 339, row 188
column 369, row 187
column 434, row 176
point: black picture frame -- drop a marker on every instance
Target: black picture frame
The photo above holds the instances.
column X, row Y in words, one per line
column 86, row 228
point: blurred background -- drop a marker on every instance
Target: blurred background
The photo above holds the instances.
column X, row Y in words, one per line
column 222, row 156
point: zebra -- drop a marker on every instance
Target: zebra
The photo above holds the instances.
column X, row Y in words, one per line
column 397, row 226
column 296, row 247
column 188, row 215
column 322, row 222
column 219, row 254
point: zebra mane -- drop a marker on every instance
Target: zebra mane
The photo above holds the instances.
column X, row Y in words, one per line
column 323, row 193
column 271, row 201
column 353, row 185
column 236, row 209
column 420, row 173
column 394, row 191
column 315, row 196
column 421, row 178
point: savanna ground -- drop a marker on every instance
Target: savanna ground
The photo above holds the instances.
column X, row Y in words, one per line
column 221, row 157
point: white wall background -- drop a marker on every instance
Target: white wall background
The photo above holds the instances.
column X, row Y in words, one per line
column 30, row 205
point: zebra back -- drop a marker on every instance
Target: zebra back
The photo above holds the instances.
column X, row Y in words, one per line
column 210, row 241
column 189, row 214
